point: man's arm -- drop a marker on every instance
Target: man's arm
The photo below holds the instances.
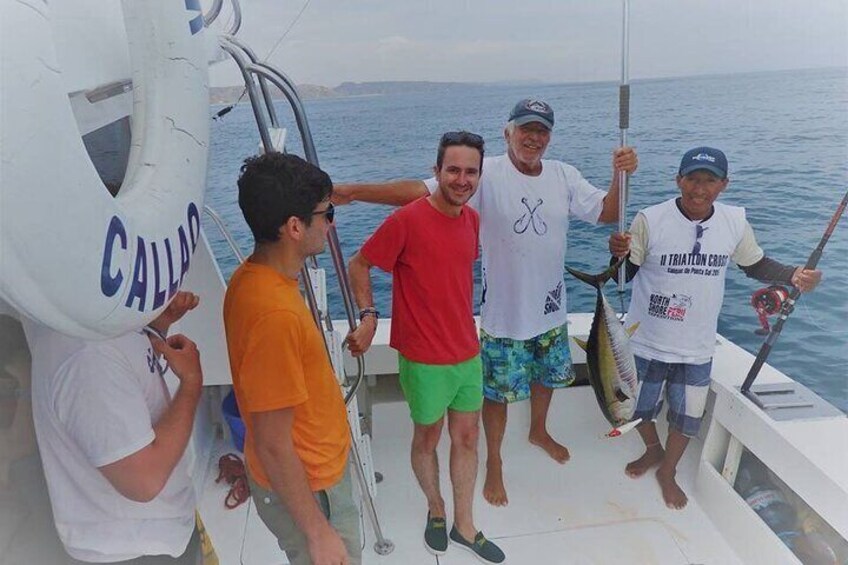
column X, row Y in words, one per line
column 275, row 449
column 394, row 193
column 623, row 159
column 769, row 271
column 754, row 263
column 359, row 271
column 633, row 244
column 179, row 306
column 142, row 476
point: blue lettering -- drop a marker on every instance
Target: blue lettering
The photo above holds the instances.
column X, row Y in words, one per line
column 196, row 23
column 158, row 293
column 193, row 225
column 173, row 285
column 138, row 289
column 185, row 254
column 109, row 285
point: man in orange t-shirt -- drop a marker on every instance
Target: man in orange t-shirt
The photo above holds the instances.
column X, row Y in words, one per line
column 297, row 438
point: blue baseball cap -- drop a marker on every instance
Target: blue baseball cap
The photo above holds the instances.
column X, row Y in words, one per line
column 704, row 159
column 532, row 110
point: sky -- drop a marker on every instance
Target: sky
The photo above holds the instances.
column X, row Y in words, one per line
column 537, row 40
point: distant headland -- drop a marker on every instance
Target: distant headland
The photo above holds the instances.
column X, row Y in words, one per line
column 229, row 94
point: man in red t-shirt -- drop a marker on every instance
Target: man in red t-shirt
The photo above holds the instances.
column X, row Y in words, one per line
column 430, row 246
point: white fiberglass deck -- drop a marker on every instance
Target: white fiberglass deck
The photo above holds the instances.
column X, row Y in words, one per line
column 586, row 511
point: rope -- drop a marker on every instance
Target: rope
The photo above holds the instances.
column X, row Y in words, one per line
column 231, row 470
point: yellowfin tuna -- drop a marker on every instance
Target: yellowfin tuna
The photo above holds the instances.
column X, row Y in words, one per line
column 612, row 368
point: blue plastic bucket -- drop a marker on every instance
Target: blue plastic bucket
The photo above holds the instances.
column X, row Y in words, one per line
column 231, row 414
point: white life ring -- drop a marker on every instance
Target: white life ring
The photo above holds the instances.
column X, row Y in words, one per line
column 72, row 256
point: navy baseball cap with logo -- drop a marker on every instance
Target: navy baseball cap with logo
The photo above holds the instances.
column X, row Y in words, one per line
column 532, row 110
column 704, row 159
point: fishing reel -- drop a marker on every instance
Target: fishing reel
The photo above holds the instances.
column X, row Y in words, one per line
column 768, row 302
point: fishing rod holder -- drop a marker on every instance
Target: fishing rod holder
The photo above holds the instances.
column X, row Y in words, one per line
column 789, row 401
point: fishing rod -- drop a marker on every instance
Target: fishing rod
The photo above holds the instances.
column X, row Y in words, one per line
column 623, row 124
column 789, row 303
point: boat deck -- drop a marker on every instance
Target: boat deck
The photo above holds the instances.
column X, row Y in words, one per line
column 586, row 511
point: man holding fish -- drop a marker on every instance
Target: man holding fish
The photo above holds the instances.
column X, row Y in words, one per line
column 525, row 206
column 679, row 253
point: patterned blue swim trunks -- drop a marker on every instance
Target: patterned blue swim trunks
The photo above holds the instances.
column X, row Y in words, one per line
column 685, row 387
column 511, row 365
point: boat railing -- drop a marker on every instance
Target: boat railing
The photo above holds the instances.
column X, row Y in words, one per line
column 215, row 10
column 213, row 13
column 228, row 237
column 255, row 71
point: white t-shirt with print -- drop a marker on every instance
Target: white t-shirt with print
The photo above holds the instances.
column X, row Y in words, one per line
column 677, row 295
column 524, row 237
column 94, row 403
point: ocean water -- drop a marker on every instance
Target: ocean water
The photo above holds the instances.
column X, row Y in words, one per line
column 785, row 135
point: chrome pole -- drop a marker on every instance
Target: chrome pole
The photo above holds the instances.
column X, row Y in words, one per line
column 623, row 124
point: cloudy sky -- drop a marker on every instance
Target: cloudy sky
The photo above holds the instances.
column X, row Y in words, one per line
column 545, row 40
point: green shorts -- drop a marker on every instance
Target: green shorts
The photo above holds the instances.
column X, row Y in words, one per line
column 430, row 390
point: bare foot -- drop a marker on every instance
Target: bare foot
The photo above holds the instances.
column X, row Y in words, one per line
column 557, row 451
column 493, row 489
column 673, row 495
column 652, row 456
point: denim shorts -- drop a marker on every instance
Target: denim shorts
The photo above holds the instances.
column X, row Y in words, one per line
column 511, row 365
column 337, row 505
column 684, row 385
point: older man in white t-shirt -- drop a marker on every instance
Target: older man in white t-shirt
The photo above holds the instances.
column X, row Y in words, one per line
column 113, row 440
column 525, row 205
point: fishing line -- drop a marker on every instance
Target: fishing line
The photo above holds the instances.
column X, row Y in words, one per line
column 285, row 33
column 811, row 318
column 226, row 110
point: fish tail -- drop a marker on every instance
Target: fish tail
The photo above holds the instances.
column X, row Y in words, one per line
column 598, row 280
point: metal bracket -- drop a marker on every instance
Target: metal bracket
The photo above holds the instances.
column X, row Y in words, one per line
column 790, row 401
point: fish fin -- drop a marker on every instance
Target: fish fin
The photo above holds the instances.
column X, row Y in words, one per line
column 582, row 343
column 591, row 280
column 620, row 396
column 598, row 280
column 632, row 329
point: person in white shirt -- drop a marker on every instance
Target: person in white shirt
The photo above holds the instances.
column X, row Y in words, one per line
column 113, row 440
column 525, row 205
column 679, row 254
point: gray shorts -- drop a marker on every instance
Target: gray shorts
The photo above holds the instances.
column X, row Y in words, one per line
column 338, row 507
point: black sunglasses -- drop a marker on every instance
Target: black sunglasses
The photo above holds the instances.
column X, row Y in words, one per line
column 330, row 213
column 699, row 232
column 461, row 138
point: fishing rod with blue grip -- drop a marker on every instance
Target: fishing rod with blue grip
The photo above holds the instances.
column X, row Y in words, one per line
column 789, row 303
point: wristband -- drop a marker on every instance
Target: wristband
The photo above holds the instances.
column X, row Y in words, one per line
column 370, row 311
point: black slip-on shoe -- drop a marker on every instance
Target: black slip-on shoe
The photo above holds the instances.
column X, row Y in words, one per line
column 435, row 535
column 483, row 549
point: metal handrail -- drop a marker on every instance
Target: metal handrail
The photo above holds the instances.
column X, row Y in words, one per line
column 218, row 221
column 286, row 86
column 236, row 18
column 288, row 89
column 263, row 84
column 213, row 13
column 235, row 48
column 235, row 52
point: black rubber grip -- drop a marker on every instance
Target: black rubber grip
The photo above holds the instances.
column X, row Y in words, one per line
column 624, row 106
